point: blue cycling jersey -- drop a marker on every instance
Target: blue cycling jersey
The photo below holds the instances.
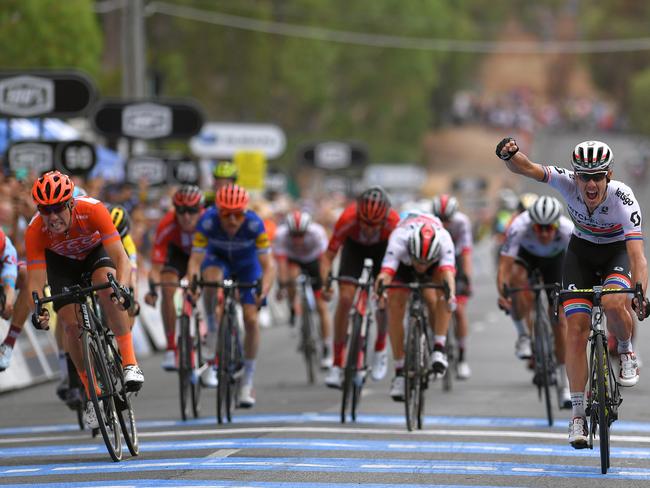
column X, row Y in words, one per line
column 250, row 240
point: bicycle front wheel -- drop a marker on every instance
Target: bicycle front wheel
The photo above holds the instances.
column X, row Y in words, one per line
column 223, row 372
column 308, row 339
column 412, row 379
column 602, row 410
column 452, row 359
column 100, row 388
column 184, row 365
column 197, row 362
column 542, row 344
column 351, row 391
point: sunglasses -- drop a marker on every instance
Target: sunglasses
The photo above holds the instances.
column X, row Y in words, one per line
column 591, row 176
column 187, row 210
column 52, row 209
column 297, row 234
column 237, row 214
column 544, row 228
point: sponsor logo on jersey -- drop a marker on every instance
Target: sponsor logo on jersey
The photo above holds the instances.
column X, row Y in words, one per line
column 625, row 198
column 604, row 210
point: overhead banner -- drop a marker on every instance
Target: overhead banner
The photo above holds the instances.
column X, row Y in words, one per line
column 333, row 155
column 45, row 93
column 148, row 119
column 157, row 170
column 251, row 166
column 71, row 157
column 224, row 140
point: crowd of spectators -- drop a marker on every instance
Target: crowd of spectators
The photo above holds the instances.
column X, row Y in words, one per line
column 522, row 110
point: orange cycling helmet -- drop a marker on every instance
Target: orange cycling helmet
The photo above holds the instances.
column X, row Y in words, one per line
column 373, row 205
column 231, row 197
column 51, row 188
column 188, row 196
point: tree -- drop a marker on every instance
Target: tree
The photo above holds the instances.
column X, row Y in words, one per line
column 50, row 34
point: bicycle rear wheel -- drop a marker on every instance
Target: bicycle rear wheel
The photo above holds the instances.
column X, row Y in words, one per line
column 101, row 387
column 412, row 380
column 350, row 389
column 602, row 410
column 542, row 354
column 184, row 365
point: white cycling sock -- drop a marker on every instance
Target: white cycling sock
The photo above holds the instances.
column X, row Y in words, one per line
column 440, row 339
column 561, row 375
column 624, row 346
column 249, row 371
column 399, row 363
column 578, row 403
column 520, row 326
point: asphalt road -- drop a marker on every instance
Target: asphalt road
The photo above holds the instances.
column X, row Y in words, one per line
column 489, row 431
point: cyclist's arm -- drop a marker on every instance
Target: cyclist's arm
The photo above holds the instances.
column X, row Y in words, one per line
column 466, row 261
column 449, row 276
column 154, row 272
column 283, row 269
column 194, row 264
column 36, row 279
column 638, row 263
column 116, row 252
column 268, row 272
column 521, row 165
column 326, row 264
column 9, row 272
column 503, row 273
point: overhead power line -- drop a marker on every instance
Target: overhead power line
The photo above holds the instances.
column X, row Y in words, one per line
column 396, row 42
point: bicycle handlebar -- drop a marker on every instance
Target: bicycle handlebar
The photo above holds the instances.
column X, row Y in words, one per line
column 637, row 291
column 76, row 292
column 416, row 285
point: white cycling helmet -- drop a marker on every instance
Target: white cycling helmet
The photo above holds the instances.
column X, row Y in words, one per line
column 592, row 157
column 444, row 206
column 545, row 211
column 424, row 243
column 298, row 222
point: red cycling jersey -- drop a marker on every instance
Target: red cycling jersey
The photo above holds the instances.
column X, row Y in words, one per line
column 90, row 226
column 170, row 232
column 347, row 227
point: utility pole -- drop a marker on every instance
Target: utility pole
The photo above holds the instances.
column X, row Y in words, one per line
column 134, row 63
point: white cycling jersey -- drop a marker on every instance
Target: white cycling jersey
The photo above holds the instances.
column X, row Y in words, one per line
column 520, row 234
column 617, row 218
column 460, row 228
column 397, row 250
column 312, row 246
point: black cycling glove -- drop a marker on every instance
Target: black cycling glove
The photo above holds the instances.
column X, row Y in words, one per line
column 500, row 147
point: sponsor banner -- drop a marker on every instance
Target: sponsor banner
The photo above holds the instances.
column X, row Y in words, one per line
column 37, row 157
column 252, row 169
column 159, row 170
column 148, row 119
column 224, row 140
column 42, row 93
column 334, row 155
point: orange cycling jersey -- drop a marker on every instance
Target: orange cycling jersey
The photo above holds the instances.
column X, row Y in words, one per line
column 91, row 225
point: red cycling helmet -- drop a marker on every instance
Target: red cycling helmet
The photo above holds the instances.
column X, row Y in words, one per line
column 373, row 205
column 231, row 197
column 51, row 188
column 188, row 196
column 3, row 241
column 424, row 243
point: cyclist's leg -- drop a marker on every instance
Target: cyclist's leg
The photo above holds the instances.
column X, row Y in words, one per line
column 167, row 306
column 212, row 270
column 522, row 304
column 293, row 269
column 313, row 270
column 578, row 273
column 619, row 319
column 18, row 316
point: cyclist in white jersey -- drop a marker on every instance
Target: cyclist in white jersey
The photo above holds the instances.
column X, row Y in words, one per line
column 536, row 239
column 419, row 249
column 298, row 246
column 445, row 207
column 607, row 242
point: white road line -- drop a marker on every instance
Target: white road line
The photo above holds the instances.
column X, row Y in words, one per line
column 222, row 453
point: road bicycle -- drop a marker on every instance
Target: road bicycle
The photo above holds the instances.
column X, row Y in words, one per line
column 189, row 345
column 309, row 332
column 603, row 394
column 103, row 366
column 418, row 350
column 545, row 363
column 230, row 352
column 361, row 319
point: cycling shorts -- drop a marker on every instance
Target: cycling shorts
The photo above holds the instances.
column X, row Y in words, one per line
column 176, row 261
column 587, row 264
column 550, row 267
column 353, row 254
column 311, row 269
column 246, row 271
column 63, row 271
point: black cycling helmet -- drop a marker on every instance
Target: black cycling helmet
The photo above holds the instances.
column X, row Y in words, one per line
column 121, row 219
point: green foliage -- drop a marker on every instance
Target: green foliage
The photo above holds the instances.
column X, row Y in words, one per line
column 640, row 101
column 49, row 34
column 319, row 89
